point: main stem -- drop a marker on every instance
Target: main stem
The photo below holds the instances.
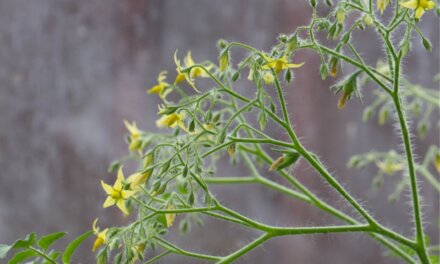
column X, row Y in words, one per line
column 413, row 180
column 422, row 252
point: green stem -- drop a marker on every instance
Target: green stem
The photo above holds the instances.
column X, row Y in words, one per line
column 422, row 252
column 242, row 251
column 171, row 247
column 42, row 254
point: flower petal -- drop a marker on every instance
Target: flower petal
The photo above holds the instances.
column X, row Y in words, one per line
column 410, row 4
column 419, row 12
column 107, row 188
column 121, row 205
column 127, row 194
column 109, row 202
column 295, row 65
column 429, row 5
column 118, row 183
column 95, row 229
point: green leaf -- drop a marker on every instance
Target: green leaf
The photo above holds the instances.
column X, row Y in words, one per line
column 23, row 255
column 54, row 256
column 70, row 249
column 47, row 240
column 24, row 243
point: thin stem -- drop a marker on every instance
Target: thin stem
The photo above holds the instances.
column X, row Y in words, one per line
column 242, row 251
column 171, row 247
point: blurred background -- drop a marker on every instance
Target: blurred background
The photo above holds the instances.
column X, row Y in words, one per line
column 72, row 70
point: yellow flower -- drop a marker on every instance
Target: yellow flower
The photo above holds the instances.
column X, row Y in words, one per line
column 170, row 217
column 194, row 73
column 161, row 85
column 116, row 195
column 135, row 134
column 420, row 6
column 381, row 5
column 137, row 179
column 390, row 167
column 278, row 64
column 100, row 236
column 173, row 120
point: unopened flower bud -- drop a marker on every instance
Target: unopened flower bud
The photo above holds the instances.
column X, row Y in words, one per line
column 368, row 20
column 437, row 162
column 334, row 65
column 343, row 100
column 224, row 60
column 340, row 16
column 231, row 149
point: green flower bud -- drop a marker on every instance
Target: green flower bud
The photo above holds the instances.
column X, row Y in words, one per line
column 368, row 21
column 292, row 43
column 224, row 60
column 288, row 76
column 323, row 70
column 334, row 65
column 340, row 16
column 235, row 76
column 384, row 114
column 427, row 44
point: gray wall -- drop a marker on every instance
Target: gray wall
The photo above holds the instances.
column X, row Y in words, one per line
column 72, row 70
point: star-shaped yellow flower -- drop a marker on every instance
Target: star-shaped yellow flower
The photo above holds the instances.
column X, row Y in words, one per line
column 161, row 85
column 100, row 236
column 135, row 134
column 196, row 72
column 173, row 120
column 116, row 193
column 278, row 64
column 420, row 6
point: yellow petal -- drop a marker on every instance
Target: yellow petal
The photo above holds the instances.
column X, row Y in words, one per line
column 162, row 76
column 419, row 12
column 410, row 4
column 118, row 183
column 98, row 242
column 95, row 229
column 127, row 194
column 137, row 179
column 107, row 188
column 188, row 61
column 294, row 65
column 132, row 128
column 157, row 89
column 170, row 217
column 429, row 5
column 179, row 78
column 109, row 202
column 121, row 205
column 176, row 61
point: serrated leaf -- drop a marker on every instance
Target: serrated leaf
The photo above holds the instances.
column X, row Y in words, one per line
column 70, row 249
column 46, row 241
column 23, row 255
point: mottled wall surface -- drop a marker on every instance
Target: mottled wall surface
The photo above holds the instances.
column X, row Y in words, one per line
column 72, row 70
